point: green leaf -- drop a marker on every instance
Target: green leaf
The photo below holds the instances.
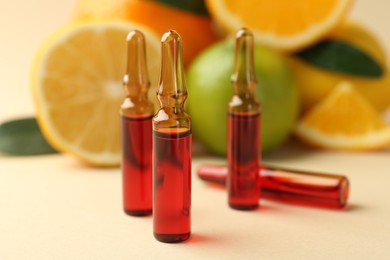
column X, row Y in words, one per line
column 23, row 137
column 342, row 57
column 193, row 6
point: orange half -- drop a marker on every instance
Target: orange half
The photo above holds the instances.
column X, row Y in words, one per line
column 283, row 24
column 344, row 120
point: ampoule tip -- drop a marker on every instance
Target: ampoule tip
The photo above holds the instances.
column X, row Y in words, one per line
column 169, row 36
column 134, row 35
column 244, row 32
column 244, row 57
column 136, row 59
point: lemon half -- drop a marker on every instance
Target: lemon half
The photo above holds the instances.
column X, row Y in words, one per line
column 76, row 81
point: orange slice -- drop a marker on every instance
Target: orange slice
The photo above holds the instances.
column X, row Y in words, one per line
column 344, row 120
column 76, row 81
column 195, row 29
column 283, row 24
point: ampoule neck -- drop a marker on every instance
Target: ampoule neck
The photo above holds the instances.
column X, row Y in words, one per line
column 136, row 81
column 172, row 91
column 243, row 78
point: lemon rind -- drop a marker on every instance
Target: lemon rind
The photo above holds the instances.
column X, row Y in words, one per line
column 101, row 158
column 232, row 22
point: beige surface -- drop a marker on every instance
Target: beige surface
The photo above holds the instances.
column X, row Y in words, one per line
column 51, row 207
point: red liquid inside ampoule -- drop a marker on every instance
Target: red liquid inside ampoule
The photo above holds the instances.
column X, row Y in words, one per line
column 243, row 159
column 172, row 186
column 291, row 186
column 137, row 165
column 304, row 188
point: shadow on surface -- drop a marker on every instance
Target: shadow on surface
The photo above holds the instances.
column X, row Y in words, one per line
column 354, row 207
column 197, row 238
column 291, row 150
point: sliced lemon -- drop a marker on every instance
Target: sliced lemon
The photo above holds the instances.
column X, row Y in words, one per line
column 76, row 81
column 344, row 120
column 284, row 24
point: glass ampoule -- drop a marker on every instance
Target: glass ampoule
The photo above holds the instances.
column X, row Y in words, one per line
column 291, row 186
column 136, row 119
column 172, row 148
column 243, row 151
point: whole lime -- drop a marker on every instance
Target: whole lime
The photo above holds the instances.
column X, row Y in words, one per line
column 208, row 81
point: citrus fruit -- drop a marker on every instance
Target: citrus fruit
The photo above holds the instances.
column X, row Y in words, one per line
column 76, row 81
column 283, row 24
column 209, row 88
column 315, row 83
column 344, row 120
column 195, row 29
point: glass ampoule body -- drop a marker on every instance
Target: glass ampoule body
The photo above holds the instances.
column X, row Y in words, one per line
column 243, row 149
column 172, row 148
column 291, row 186
column 136, row 130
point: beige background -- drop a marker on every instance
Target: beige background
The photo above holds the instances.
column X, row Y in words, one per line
column 52, row 207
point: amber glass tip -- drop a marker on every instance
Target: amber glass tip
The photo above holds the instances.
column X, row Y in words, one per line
column 244, row 32
column 134, row 34
column 244, row 68
column 136, row 72
column 172, row 81
column 170, row 35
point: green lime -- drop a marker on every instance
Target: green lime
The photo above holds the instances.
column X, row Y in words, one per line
column 209, row 88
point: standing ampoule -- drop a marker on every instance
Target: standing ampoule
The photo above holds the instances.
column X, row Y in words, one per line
column 243, row 149
column 137, row 113
column 172, row 148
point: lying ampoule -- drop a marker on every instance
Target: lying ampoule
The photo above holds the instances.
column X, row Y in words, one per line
column 291, row 186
